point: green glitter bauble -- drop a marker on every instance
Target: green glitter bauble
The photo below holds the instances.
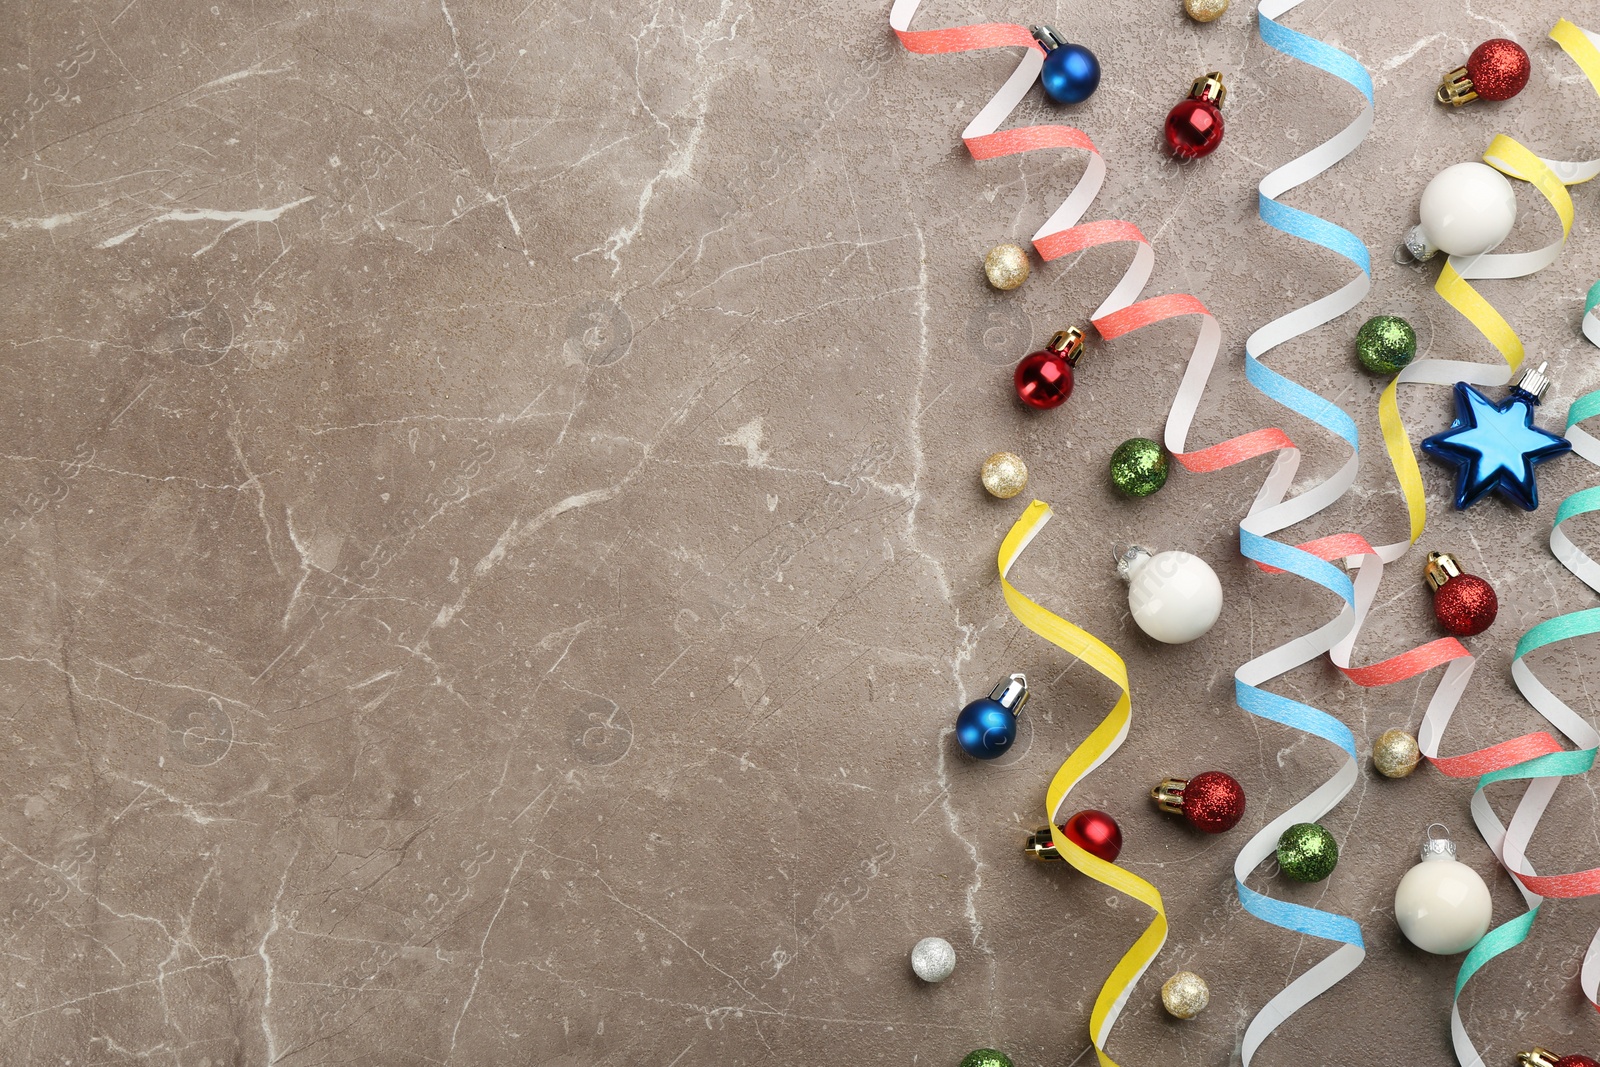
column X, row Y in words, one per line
column 1385, row 344
column 986, row 1057
column 1139, row 467
column 1307, row 852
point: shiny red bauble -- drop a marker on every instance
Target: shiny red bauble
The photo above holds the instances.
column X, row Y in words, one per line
column 1044, row 379
column 1213, row 801
column 1498, row 69
column 1194, row 128
column 1096, row 833
column 1465, row 605
column 1576, row 1060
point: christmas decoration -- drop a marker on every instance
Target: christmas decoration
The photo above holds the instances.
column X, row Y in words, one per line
column 1385, row 344
column 933, row 959
column 987, row 726
column 1004, row 475
column 1466, row 210
column 1175, row 597
column 1194, row 125
column 1071, row 73
column 1212, row 801
column 1205, row 10
column 1441, row 904
column 1006, row 267
column 1496, row 446
column 1307, row 852
column 1395, row 754
column 1096, row 832
column 1275, row 510
column 1464, row 604
column 1185, row 995
column 1044, row 378
column 1139, row 467
column 1100, row 744
column 1496, row 70
column 986, row 1057
column 1543, row 1057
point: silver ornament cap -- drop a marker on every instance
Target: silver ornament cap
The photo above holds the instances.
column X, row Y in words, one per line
column 933, row 959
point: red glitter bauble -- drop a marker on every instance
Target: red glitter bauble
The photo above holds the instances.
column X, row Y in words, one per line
column 1576, row 1060
column 1096, row 833
column 1465, row 605
column 1194, row 128
column 1044, row 379
column 1498, row 69
column 1213, row 801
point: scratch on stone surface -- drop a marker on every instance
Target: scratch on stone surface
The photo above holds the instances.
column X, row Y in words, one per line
column 235, row 219
column 266, row 965
column 483, row 948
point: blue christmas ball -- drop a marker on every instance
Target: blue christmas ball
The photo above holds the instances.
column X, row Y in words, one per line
column 985, row 729
column 1071, row 74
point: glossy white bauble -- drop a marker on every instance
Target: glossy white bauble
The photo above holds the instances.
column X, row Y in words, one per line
column 1174, row 596
column 1468, row 209
column 1443, row 906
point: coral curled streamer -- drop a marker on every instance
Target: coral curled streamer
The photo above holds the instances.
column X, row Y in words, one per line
column 1098, row 747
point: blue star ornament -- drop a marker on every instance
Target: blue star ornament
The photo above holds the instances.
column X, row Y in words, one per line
column 1495, row 446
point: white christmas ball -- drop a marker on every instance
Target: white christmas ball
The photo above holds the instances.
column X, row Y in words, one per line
column 1443, row 906
column 1468, row 209
column 1174, row 596
column 933, row 958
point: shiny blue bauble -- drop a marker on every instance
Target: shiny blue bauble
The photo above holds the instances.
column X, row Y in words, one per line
column 1071, row 74
column 985, row 729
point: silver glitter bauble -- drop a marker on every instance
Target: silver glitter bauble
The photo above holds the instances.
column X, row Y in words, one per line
column 933, row 959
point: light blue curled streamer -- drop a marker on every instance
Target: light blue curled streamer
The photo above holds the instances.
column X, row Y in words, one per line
column 1274, row 511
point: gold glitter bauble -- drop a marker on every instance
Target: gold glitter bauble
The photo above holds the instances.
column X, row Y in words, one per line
column 1205, row 10
column 1006, row 266
column 1395, row 754
column 1185, row 995
column 1004, row 475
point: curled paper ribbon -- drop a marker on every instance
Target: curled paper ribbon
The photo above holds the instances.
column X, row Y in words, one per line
column 1551, row 177
column 1098, row 747
column 1060, row 235
column 1272, row 512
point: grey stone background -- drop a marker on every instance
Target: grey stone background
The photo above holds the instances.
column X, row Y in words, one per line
column 494, row 551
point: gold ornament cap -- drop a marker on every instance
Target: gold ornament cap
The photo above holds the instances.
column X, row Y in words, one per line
column 1169, row 794
column 1456, row 88
column 1440, row 568
column 1006, row 266
column 1041, row 847
column 1205, row 10
column 1209, row 88
column 1537, row 1057
column 1069, row 343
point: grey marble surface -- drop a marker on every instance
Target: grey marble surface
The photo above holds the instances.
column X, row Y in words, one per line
column 493, row 549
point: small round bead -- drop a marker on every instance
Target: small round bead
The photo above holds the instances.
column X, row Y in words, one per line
column 1006, row 267
column 1307, row 852
column 986, row 1057
column 1004, row 475
column 1139, row 467
column 1185, row 995
column 1395, row 754
column 1385, row 344
column 933, row 959
column 1204, row 10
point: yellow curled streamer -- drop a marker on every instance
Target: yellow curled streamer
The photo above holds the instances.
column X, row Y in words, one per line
column 1102, row 741
column 1515, row 161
